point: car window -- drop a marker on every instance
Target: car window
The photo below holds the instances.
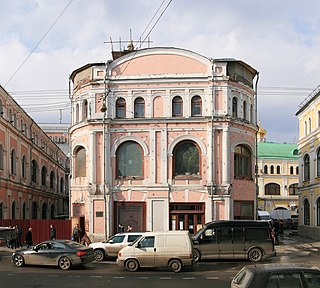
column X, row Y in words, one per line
column 57, row 246
column 209, row 234
column 256, row 234
column 118, row 239
column 243, row 278
column 147, row 242
column 312, row 279
column 43, row 246
column 285, row 280
column 131, row 238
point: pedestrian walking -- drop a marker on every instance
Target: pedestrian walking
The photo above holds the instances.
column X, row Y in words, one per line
column 53, row 232
column 77, row 233
column 120, row 228
column 29, row 241
column 19, row 236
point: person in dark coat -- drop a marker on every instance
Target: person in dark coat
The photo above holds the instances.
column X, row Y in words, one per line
column 29, row 241
column 120, row 228
column 52, row 232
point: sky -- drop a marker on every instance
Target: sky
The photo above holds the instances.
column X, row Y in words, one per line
column 43, row 41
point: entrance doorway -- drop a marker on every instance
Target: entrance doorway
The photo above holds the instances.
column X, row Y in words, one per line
column 186, row 216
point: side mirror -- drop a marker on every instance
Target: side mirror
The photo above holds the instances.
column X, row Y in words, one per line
column 110, row 241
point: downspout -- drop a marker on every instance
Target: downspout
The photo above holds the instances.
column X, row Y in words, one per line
column 70, row 154
column 212, row 146
column 256, row 158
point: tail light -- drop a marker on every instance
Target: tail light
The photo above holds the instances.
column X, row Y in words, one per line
column 81, row 253
column 119, row 254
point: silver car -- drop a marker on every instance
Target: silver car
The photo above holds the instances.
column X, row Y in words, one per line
column 61, row 253
column 111, row 247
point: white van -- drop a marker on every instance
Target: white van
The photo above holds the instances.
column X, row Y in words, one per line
column 158, row 249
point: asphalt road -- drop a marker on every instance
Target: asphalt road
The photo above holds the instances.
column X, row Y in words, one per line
column 108, row 274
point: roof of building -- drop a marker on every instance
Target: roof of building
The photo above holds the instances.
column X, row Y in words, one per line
column 277, row 150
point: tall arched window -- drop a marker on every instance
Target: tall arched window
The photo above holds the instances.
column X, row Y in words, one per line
column 318, row 163
column 278, row 169
column 84, row 109
column 13, row 162
column 34, row 171
column 23, row 167
column 1, row 108
column 309, row 122
column 196, row 106
column 1, row 210
column 1, row 157
column 139, row 108
column 44, row 176
column 177, row 108
column 251, row 114
column 52, row 180
column 186, row 159
column 244, row 110
column 121, row 108
column 271, row 169
column 297, row 170
column 305, row 128
column 44, row 211
column 24, row 211
column 291, row 170
column 80, row 165
column 61, row 185
column 306, row 212
column 306, row 167
column 235, row 107
column 129, row 160
column 272, row 189
column 52, row 211
column 318, row 212
column 77, row 113
column 34, row 210
column 242, row 162
column 13, row 210
column 265, row 169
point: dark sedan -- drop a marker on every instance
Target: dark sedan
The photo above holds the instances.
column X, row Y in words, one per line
column 62, row 253
column 277, row 276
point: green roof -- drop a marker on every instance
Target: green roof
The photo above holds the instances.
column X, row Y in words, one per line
column 277, row 150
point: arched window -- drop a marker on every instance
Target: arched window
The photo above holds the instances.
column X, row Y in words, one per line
column 272, row 189
column 318, row 163
column 24, row 211
column 306, row 212
column 297, row 170
column 23, row 167
column 44, row 176
column 44, row 211
column 305, row 128
column 1, row 210
column 242, row 162
column 177, row 109
column 1, row 157
column 265, row 169
column 81, row 167
column 306, row 167
column 52, row 180
column 271, row 169
column 251, row 114
column 278, row 169
column 293, row 189
column 52, row 211
column 196, row 106
column 244, row 110
column 77, row 113
column 291, row 170
column 84, row 109
column 13, row 210
column 309, row 122
column 139, row 108
column 61, row 185
column 34, row 210
column 15, row 119
column 121, row 108
column 1, row 108
column 129, row 160
column 235, row 107
column 34, row 171
column 186, row 159
column 13, row 162
column 318, row 212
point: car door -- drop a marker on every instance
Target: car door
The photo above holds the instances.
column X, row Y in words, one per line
column 207, row 244
column 238, row 243
column 39, row 255
column 115, row 244
column 55, row 252
column 146, row 251
column 225, row 243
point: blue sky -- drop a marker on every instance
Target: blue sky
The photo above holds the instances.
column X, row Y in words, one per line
column 279, row 38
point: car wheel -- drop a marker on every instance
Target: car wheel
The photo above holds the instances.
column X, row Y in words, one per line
column 64, row 263
column 99, row 255
column 132, row 265
column 196, row 255
column 255, row 255
column 175, row 265
column 18, row 260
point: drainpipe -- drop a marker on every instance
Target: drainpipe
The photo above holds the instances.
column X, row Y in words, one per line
column 256, row 158
column 212, row 145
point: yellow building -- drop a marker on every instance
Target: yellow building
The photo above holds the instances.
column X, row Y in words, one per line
column 309, row 162
column 278, row 175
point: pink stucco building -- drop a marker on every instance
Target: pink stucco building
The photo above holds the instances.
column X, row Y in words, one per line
column 174, row 148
